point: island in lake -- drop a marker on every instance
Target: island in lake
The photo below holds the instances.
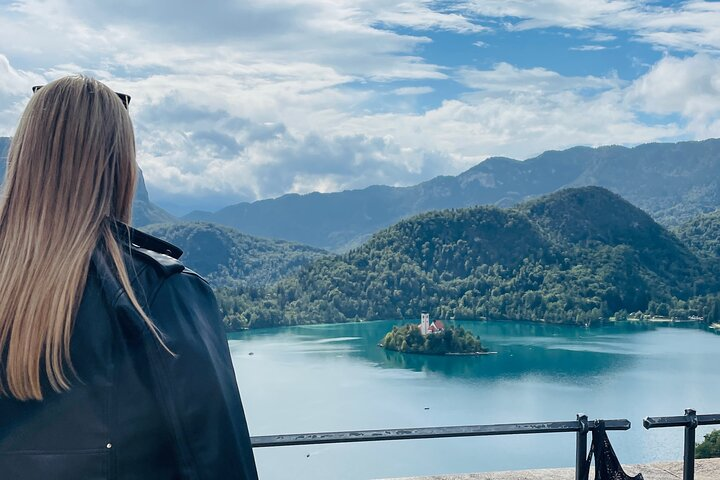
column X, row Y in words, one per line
column 432, row 339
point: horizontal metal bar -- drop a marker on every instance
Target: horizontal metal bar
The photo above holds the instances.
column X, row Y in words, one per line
column 430, row 432
column 680, row 421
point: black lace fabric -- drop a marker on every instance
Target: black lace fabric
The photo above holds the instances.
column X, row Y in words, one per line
column 607, row 465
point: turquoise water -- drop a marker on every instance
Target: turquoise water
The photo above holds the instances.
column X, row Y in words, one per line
column 335, row 377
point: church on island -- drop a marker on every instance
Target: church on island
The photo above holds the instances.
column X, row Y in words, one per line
column 426, row 327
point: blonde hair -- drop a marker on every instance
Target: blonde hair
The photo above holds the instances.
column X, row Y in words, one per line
column 71, row 172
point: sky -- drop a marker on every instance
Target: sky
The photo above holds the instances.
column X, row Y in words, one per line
column 249, row 99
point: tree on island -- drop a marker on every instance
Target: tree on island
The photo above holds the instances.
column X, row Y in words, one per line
column 409, row 339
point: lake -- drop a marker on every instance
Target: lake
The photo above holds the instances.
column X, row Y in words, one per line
column 335, row 377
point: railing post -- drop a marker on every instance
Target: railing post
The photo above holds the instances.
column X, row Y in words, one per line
column 689, row 450
column 581, row 447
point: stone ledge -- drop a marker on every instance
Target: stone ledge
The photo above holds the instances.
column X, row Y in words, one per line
column 707, row 469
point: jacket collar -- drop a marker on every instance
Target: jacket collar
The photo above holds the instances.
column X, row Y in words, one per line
column 144, row 240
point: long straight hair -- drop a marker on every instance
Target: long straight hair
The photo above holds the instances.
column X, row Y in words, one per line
column 71, row 173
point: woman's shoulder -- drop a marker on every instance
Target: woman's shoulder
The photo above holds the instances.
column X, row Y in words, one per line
column 178, row 299
column 150, row 263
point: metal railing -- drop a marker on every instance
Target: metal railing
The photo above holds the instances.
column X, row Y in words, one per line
column 581, row 427
column 690, row 421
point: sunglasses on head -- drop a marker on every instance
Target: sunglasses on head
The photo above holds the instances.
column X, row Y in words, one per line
column 124, row 97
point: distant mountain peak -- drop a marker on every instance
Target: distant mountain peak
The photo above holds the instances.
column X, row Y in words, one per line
column 141, row 192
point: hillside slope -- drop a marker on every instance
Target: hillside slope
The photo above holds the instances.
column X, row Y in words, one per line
column 702, row 235
column 227, row 257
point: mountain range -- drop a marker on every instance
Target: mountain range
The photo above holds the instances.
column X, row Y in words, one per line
column 671, row 181
column 580, row 255
column 144, row 211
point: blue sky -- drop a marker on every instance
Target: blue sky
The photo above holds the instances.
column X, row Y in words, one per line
column 249, row 99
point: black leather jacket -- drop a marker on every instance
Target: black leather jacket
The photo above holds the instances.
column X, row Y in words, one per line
column 135, row 411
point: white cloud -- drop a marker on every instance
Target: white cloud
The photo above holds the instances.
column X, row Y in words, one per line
column 603, row 37
column 507, row 78
column 335, row 34
column 690, row 25
column 546, row 13
column 413, row 90
column 15, row 88
column 589, row 48
column 271, row 165
column 686, row 86
column 16, row 82
column 417, row 14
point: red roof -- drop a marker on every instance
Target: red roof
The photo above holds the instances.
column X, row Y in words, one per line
column 439, row 324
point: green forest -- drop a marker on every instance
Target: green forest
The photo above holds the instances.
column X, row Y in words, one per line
column 579, row 256
column 409, row 339
column 226, row 257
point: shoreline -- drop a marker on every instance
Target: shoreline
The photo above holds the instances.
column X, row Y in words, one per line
column 657, row 322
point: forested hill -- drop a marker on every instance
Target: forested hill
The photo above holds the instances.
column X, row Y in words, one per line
column 144, row 211
column 671, row 181
column 227, row 257
column 576, row 256
column 581, row 217
column 702, row 235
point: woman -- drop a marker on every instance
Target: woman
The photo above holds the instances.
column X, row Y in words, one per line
column 113, row 360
